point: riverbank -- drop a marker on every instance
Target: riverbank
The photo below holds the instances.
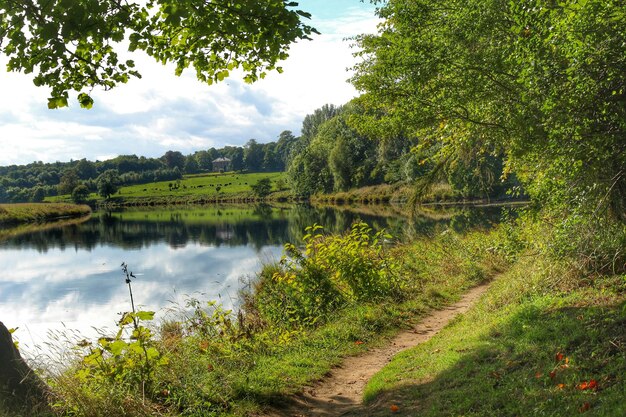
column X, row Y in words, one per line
column 207, row 361
column 401, row 193
column 17, row 214
column 163, row 201
column 335, row 296
column 233, row 187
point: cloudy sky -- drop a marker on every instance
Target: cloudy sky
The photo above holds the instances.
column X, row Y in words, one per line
column 162, row 112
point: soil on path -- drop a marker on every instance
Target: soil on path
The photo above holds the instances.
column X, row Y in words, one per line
column 341, row 392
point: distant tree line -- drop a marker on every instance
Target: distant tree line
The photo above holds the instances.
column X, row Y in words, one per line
column 35, row 181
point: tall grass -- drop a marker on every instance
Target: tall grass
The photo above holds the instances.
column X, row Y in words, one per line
column 13, row 214
column 333, row 296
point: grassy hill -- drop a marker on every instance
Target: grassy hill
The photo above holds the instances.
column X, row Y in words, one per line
column 209, row 187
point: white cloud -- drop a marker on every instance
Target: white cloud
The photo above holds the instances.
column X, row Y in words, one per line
column 162, row 111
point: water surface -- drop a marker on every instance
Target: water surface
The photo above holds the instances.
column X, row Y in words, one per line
column 69, row 277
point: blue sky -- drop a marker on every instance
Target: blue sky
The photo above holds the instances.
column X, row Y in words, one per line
column 163, row 112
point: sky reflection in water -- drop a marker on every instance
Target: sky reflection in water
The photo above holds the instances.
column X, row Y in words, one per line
column 82, row 288
column 70, row 277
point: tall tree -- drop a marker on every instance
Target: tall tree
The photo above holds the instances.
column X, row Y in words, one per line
column 69, row 180
column 108, row 183
column 204, row 160
column 75, row 44
column 174, row 159
column 86, row 169
column 285, row 145
column 191, row 165
column 312, row 122
column 253, row 155
column 271, row 159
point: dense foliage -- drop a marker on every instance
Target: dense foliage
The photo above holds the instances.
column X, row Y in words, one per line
column 80, row 44
column 340, row 150
column 330, row 272
column 538, row 82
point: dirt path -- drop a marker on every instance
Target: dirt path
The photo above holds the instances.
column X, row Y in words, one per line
column 341, row 391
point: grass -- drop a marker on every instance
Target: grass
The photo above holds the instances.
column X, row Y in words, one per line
column 196, row 188
column 400, row 193
column 384, row 193
column 15, row 214
column 284, row 362
column 531, row 347
column 218, row 367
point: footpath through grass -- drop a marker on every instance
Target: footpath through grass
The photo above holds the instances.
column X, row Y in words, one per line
column 546, row 340
column 294, row 326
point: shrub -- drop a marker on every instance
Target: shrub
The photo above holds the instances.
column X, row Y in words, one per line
column 80, row 194
column 262, row 188
column 328, row 273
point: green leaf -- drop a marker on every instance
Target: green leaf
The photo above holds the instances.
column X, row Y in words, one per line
column 117, row 347
column 145, row 315
column 57, row 102
column 127, row 318
column 86, row 102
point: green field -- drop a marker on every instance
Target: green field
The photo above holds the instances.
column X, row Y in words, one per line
column 198, row 187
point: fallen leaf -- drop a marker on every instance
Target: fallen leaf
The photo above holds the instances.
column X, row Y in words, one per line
column 585, row 385
column 561, row 386
column 359, row 342
column 559, row 357
column 394, row 408
column 538, row 375
column 584, row 407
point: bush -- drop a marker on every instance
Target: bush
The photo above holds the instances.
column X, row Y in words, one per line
column 330, row 272
column 80, row 194
column 262, row 188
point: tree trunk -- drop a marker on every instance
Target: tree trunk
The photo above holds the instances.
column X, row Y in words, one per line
column 21, row 390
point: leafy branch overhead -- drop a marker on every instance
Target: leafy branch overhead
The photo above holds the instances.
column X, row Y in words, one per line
column 76, row 45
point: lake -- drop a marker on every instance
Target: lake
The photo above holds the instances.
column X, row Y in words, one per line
column 68, row 279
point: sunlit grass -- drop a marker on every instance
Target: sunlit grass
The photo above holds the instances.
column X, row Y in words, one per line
column 197, row 188
column 219, row 365
column 531, row 346
column 12, row 214
column 199, row 185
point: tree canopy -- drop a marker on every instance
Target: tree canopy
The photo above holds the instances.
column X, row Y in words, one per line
column 76, row 45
